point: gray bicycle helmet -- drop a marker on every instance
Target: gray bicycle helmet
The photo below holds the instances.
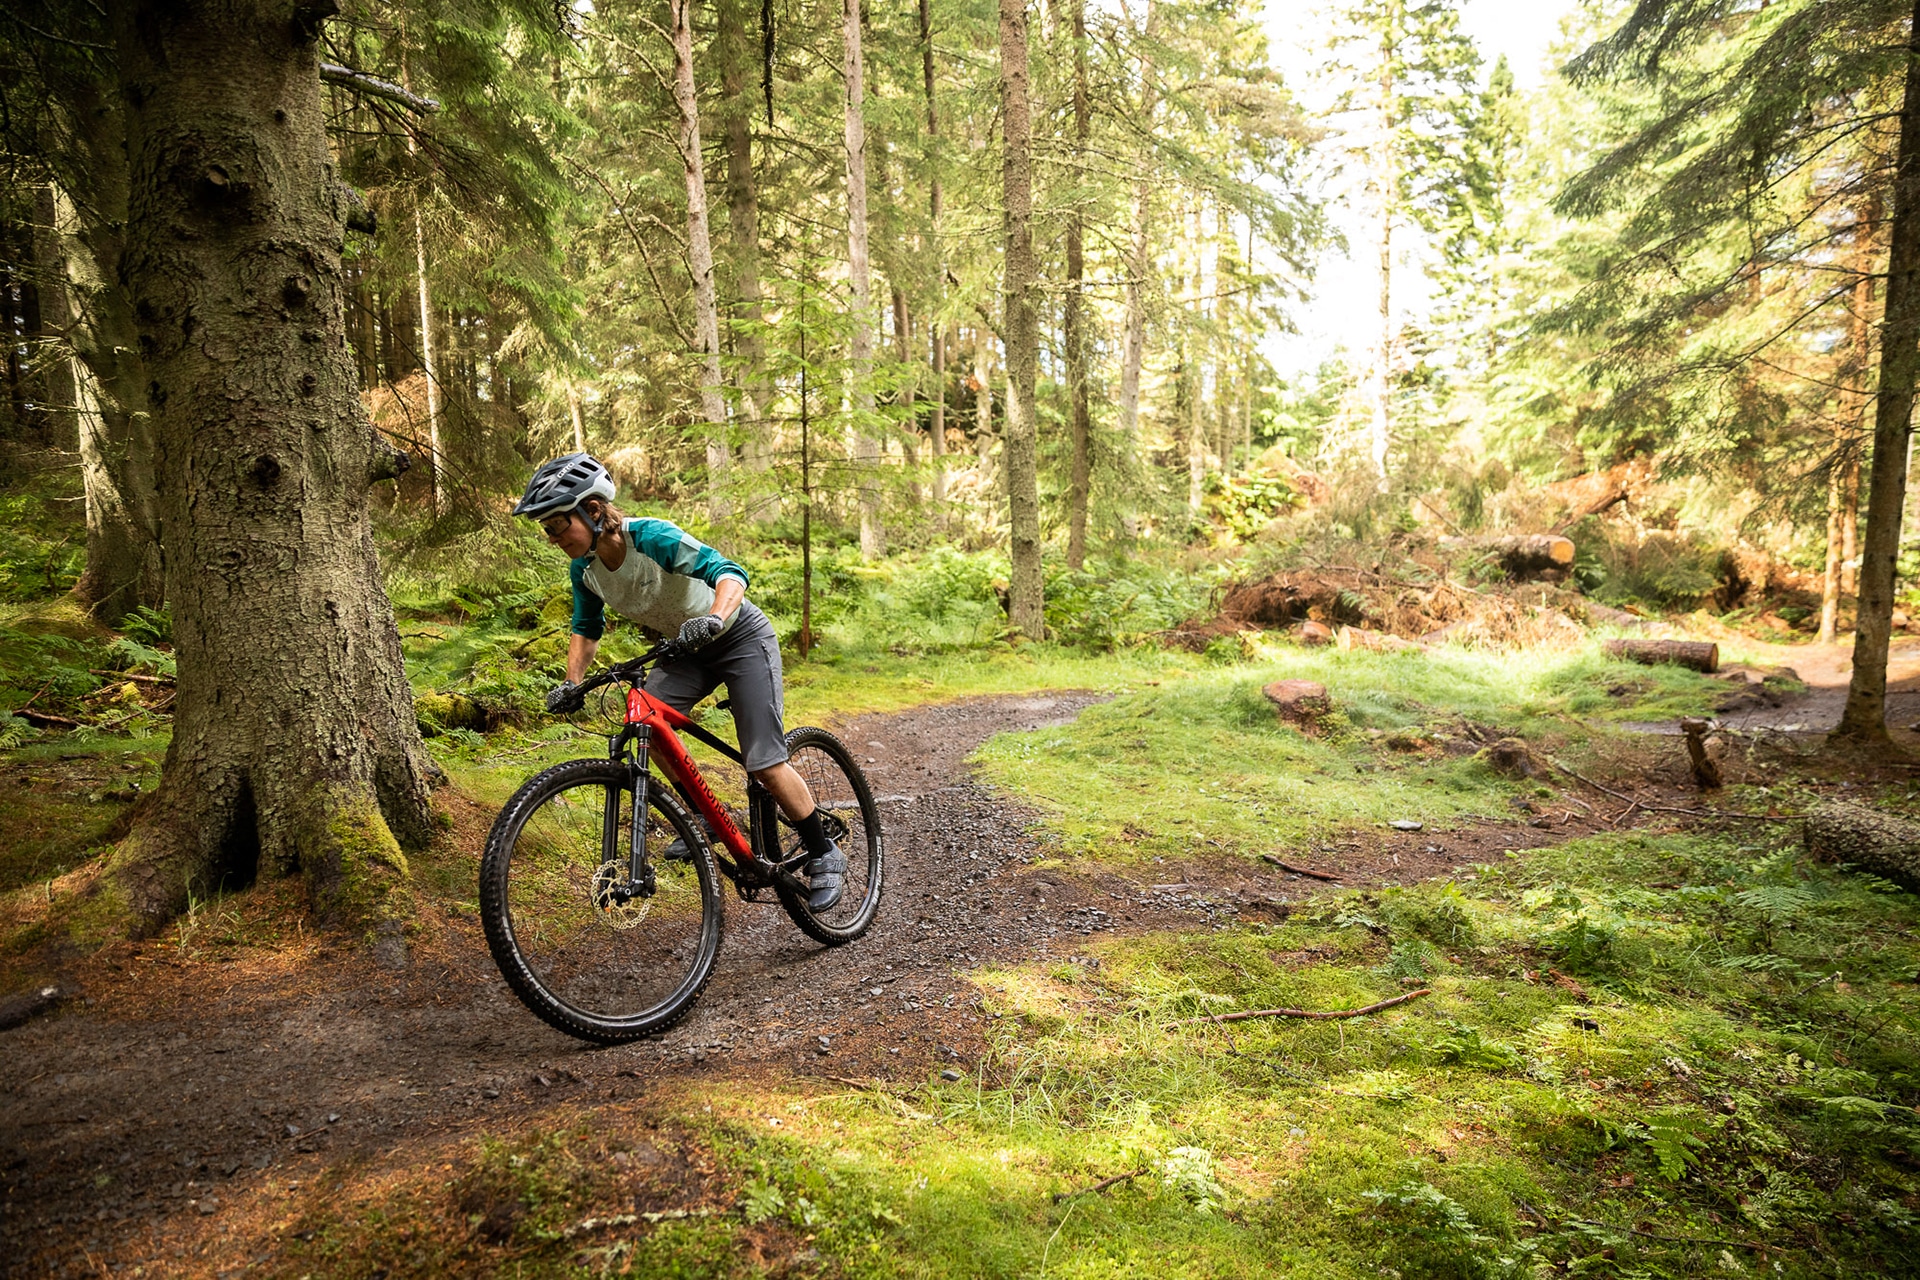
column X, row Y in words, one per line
column 563, row 484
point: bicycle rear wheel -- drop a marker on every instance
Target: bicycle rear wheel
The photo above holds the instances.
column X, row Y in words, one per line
column 846, row 806
column 580, row 952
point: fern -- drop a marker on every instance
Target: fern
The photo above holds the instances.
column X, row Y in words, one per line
column 1466, row 1047
column 1674, row 1138
column 1780, row 903
column 148, row 626
column 13, row 731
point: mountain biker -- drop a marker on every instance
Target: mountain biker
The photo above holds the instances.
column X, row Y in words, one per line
column 656, row 574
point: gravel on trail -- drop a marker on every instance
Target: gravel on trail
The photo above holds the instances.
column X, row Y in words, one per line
column 173, row 1087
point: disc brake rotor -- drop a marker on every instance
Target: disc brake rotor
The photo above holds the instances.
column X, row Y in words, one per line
column 607, row 904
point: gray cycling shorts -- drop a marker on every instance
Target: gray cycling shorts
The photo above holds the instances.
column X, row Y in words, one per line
column 747, row 660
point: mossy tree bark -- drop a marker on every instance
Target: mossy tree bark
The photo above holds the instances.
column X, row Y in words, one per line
column 1022, row 325
column 294, row 746
column 1865, row 717
column 114, row 428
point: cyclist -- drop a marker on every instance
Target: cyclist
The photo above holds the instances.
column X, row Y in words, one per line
column 656, row 574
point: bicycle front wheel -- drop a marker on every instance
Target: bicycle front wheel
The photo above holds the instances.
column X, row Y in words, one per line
column 590, row 953
column 846, row 806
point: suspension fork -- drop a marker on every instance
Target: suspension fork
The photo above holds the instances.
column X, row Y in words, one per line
column 639, row 870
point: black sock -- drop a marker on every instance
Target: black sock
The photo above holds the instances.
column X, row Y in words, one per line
column 812, row 834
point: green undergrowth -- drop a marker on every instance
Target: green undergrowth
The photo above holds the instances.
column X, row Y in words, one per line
column 1205, row 763
column 1628, row 1064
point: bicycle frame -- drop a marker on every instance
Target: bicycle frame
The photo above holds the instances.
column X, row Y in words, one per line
column 653, row 727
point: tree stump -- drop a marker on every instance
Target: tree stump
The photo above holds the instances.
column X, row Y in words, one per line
column 1696, row 655
column 1315, row 633
column 1878, row 842
column 1302, row 703
column 1706, row 770
column 1510, row 758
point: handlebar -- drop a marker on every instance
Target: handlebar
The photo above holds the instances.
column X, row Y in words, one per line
column 665, row 651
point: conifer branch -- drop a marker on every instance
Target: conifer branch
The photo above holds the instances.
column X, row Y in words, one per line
column 374, row 87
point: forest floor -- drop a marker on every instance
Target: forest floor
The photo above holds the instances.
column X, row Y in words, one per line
column 243, row 1097
column 289, row 1060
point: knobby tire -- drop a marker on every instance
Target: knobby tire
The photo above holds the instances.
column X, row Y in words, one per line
column 839, row 787
column 548, row 930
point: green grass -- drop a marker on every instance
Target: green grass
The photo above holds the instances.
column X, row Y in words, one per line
column 1204, row 762
column 1623, row 1069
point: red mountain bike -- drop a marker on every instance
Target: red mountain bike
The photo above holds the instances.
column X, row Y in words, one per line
column 601, row 895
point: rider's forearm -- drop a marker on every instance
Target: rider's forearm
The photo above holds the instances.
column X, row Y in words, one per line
column 580, row 651
column 727, row 597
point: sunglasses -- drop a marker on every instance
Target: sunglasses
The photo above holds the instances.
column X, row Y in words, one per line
column 557, row 526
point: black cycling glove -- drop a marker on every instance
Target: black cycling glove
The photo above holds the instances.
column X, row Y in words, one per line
column 695, row 632
column 565, row 697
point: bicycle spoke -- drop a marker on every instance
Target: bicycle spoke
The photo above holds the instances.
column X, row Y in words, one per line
column 599, row 950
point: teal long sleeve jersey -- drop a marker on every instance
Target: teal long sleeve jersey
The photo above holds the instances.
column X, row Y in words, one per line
column 667, row 577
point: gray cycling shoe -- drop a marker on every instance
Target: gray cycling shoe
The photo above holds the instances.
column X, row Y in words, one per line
column 678, row 852
column 826, row 876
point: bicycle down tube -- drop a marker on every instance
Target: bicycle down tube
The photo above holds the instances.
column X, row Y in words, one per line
column 645, row 713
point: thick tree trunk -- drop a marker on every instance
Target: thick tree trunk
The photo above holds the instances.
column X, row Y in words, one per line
column 706, row 312
column 866, row 449
column 1865, row 717
column 124, row 567
column 1080, row 416
column 1139, row 258
column 294, row 746
column 1026, row 610
column 743, row 231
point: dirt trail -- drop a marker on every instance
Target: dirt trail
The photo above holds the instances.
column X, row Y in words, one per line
column 1826, row 670
column 185, row 1093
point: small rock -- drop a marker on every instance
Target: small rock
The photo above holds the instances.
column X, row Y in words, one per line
column 208, row 1205
column 543, row 1082
column 951, row 1076
column 1405, row 824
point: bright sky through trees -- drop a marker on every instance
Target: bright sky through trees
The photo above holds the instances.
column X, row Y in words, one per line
column 1340, row 310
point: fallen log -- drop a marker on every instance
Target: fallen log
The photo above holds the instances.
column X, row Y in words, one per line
column 1523, row 556
column 1696, row 655
column 1887, row 846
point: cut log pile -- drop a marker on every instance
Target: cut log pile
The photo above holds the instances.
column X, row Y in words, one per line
column 1421, row 594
